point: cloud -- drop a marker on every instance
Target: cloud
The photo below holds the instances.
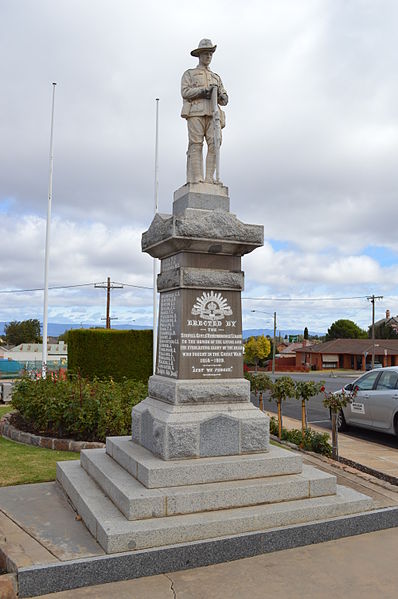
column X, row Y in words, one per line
column 309, row 149
column 80, row 254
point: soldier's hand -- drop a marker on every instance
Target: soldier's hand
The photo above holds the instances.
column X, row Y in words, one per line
column 208, row 91
column 204, row 92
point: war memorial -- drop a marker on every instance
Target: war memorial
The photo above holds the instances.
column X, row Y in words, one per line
column 198, row 481
column 199, row 464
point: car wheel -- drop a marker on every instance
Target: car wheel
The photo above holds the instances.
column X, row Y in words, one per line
column 341, row 423
column 396, row 424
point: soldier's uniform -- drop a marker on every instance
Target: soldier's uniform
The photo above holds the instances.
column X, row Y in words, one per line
column 199, row 114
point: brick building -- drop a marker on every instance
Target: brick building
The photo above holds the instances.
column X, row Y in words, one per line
column 348, row 353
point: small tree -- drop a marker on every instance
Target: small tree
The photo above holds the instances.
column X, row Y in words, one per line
column 306, row 333
column 282, row 388
column 335, row 402
column 258, row 384
column 257, row 349
column 304, row 390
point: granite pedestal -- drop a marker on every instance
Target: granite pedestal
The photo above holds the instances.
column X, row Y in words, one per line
column 199, row 464
column 199, row 402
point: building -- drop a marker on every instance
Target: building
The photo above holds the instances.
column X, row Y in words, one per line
column 351, row 354
column 4, row 351
column 33, row 352
column 389, row 322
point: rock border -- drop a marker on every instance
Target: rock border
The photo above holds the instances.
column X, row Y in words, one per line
column 9, row 431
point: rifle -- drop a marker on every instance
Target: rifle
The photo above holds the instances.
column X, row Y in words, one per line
column 217, row 129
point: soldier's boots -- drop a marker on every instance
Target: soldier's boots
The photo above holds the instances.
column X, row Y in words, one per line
column 195, row 164
column 210, row 166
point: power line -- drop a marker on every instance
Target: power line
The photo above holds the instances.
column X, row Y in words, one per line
column 136, row 286
column 67, row 287
column 42, row 288
column 303, row 299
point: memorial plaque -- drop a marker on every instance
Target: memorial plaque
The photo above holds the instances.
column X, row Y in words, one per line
column 168, row 334
column 206, row 343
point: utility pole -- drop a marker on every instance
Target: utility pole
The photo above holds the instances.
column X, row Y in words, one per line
column 108, row 286
column 273, row 346
column 372, row 299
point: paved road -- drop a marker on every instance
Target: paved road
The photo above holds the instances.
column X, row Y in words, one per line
column 317, row 414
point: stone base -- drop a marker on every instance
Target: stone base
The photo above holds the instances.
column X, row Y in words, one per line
column 200, row 196
column 248, row 493
column 199, row 391
column 154, row 472
column 201, row 430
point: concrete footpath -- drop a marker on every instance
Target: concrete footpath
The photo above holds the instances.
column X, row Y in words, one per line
column 362, row 567
column 371, row 455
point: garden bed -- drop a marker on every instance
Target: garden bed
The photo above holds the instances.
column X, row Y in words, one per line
column 10, row 427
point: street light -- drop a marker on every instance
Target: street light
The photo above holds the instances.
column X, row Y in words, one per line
column 273, row 344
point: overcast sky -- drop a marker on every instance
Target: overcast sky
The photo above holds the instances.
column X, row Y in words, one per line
column 310, row 149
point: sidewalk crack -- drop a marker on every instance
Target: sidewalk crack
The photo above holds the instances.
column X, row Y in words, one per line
column 172, row 586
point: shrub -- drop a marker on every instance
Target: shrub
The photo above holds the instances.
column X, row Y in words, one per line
column 105, row 353
column 77, row 408
column 309, row 440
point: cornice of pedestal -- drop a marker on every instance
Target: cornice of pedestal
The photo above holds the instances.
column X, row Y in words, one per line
column 207, row 231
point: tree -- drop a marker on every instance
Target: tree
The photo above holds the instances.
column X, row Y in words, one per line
column 345, row 329
column 259, row 383
column 306, row 333
column 257, row 349
column 304, row 390
column 383, row 331
column 282, row 388
column 335, row 401
column 25, row 331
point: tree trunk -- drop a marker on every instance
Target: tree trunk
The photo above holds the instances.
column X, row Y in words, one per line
column 280, row 419
column 335, row 449
column 260, row 401
column 303, row 417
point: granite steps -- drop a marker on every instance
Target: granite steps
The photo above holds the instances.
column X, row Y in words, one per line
column 127, row 499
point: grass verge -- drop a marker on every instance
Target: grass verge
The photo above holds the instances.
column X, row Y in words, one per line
column 5, row 409
column 22, row 464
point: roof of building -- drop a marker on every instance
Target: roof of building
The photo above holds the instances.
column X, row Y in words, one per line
column 52, row 348
column 353, row 346
column 293, row 347
column 392, row 321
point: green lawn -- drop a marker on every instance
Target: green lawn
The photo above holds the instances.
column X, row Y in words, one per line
column 20, row 464
column 5, row 409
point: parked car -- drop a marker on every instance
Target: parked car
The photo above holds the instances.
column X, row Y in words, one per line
column 376, row 365
column 375, row 404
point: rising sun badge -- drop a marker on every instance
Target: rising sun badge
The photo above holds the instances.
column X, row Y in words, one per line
column 211, row 306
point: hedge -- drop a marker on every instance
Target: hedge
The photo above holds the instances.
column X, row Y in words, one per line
column 104, row 353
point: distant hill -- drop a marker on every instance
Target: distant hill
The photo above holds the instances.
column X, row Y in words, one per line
column 55, row 329
column 256, row 332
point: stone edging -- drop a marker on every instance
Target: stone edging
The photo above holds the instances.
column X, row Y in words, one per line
column 9, row 431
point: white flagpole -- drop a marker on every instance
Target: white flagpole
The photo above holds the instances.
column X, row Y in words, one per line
column 156, row 191
column 46, row 255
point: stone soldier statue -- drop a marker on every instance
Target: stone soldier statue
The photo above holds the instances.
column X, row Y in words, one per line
column 198, row 108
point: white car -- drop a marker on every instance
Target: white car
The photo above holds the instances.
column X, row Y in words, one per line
column 375, row 404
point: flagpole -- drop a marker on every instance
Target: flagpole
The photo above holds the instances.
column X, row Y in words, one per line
column 46, row 255
column 156, row 191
